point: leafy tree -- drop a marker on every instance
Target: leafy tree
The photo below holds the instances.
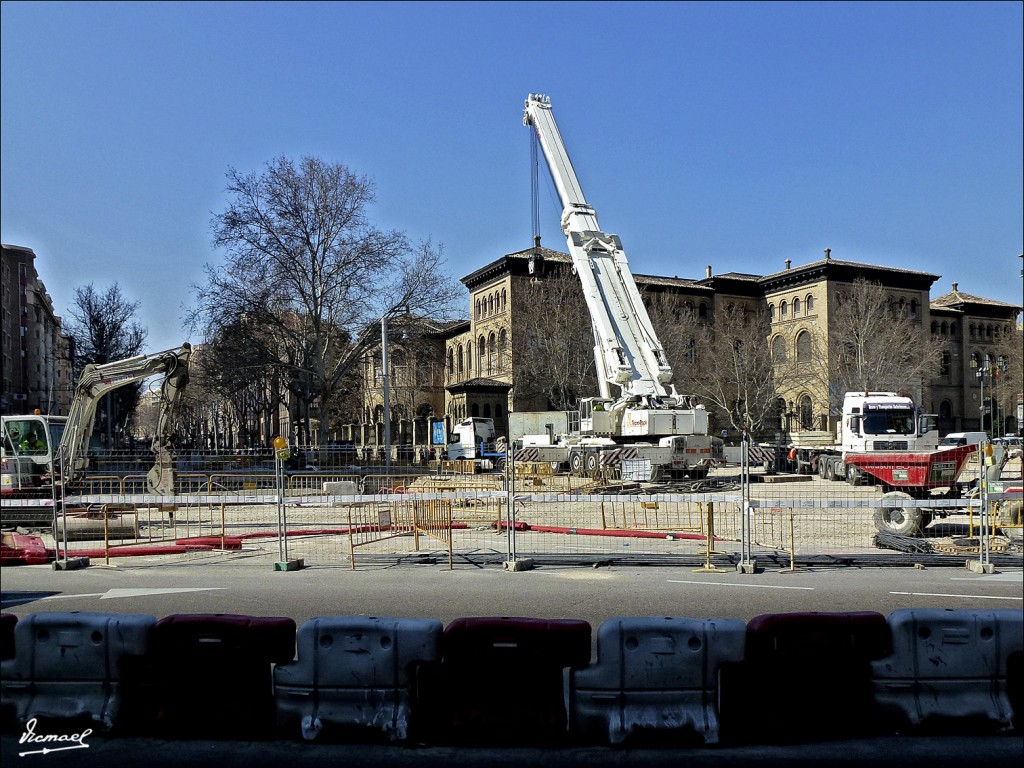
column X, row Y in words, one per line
column 306, row 278
column 105, row 329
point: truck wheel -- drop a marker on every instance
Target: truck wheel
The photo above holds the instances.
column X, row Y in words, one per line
column 576, row 462
column 829, row 470
column 591, row 462
column 904, row 521
column 853, row 474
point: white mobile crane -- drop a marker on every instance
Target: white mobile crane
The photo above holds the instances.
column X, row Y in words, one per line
column 626, row 348
column 36, row 446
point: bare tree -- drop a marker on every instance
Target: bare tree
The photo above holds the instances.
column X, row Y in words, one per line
column 1008, row 365
column 306, row 277
column 105, row 329
column 873, row 343
column 554, row 342
column 731, row 369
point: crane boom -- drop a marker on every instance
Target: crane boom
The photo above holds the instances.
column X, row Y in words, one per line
column 627, row 350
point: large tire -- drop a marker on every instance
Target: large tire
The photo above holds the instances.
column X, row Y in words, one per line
column 853, row 474
column 576, row 461
column 904, row 521
column 592, row 462
column 829, row 471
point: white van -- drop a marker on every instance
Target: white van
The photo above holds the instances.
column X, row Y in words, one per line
column 954, row 439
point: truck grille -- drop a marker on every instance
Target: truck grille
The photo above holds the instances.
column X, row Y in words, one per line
column 891, row 445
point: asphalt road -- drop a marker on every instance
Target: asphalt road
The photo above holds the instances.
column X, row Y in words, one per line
column 250, row 585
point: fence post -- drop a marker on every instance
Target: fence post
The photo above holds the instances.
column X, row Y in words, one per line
column 709, row 567
column 746, row 564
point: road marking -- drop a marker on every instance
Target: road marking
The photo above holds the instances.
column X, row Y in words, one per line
column 63, row 597
column 941, row 594
column 112, row 594
column 727, row 584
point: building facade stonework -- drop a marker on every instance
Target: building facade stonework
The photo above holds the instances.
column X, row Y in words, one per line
column 482, row 355
column 35, row 357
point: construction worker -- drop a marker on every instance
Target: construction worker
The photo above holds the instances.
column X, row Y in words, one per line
column 32, row 444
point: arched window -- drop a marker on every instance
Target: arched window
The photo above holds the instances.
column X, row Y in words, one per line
column 771, row 312
column 913, row 306
column 469, row 358
column 397, row 365
column 460, row 361
column 702, row 311
column 778, row 350
column 944, row 364
column 803, row 347
column 490, row 304
column 690, row 352
column 796, row 307
column 451, row 362
column 502, row 349
column 475, row 410
column 945, row 329
column 970, row 330
column 478, row 315
column 946, row 418
column 783, row 310
column 481, row 352
column 952, row 329
column 492, row 353
column 806, row 412
column 810, row 303
column 504, row 300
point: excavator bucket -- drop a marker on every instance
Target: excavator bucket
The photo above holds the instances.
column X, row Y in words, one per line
column 160, row 479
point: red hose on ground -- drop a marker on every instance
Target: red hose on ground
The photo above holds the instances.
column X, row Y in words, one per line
column 617, row 533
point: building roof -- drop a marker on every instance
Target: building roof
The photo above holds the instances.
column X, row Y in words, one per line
column 847, row 271
column 516, row 262
column 479, row 384
column 957, row 299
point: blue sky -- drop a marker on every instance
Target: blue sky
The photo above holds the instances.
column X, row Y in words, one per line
column 732, row 134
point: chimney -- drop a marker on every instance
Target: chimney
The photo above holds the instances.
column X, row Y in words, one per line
column 709, row 271
column 788, row 262
column 956, row 287
column 828, row 254
column 536, row 242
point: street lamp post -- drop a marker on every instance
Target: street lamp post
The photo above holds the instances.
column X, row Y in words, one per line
column 387, row 392
column 982, row 372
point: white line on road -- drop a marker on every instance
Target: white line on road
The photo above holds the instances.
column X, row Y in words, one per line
column 64, row 597
column 940, row 594
column 116, row 593
column 727, row 584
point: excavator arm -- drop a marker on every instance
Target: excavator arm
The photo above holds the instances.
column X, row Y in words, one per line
column 98, row 380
